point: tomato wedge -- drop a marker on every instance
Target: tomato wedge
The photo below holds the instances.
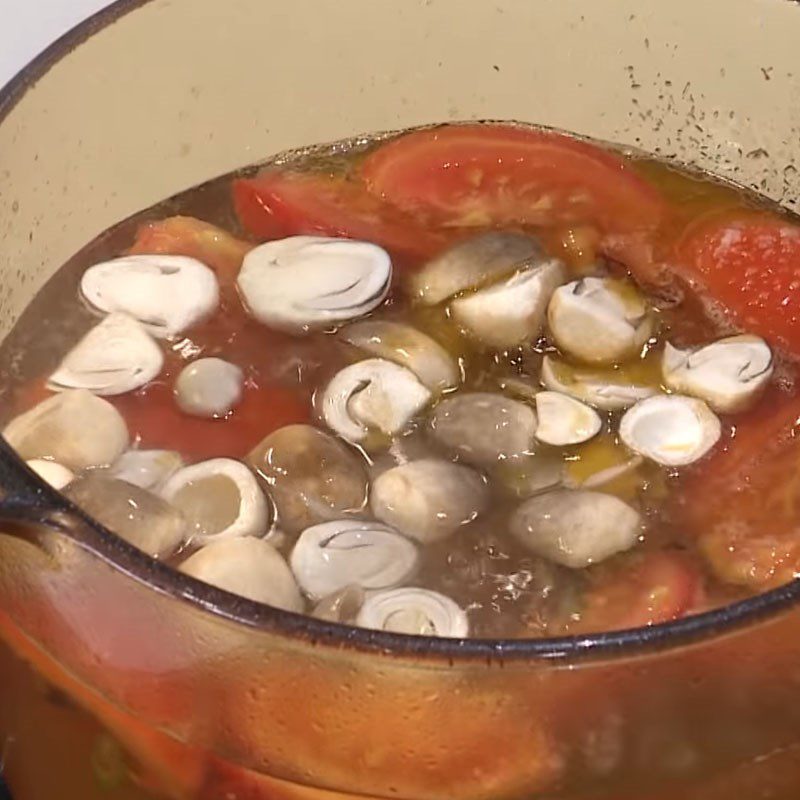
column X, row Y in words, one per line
column 504, row 175
column 275, row 204
column 750, row 265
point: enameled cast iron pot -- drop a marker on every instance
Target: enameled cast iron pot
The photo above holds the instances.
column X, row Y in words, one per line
column 220, row 698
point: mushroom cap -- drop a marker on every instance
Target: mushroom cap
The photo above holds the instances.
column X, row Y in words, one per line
column 114, row 357
column 307, row 282
column 209, row 387
column 563, row 420
column 729, row 374
column 599, row 320
column 248, row 567
column 429, row 499
column 147, row 469
column 74, row 428
column 220, row 498
column 332, row 555
column 413, row 611
column 166, row 294
column 57, row 475
column 672, row 430
column 408, row 347
column 576, row 528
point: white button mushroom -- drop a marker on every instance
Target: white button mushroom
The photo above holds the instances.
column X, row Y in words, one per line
column 116, row 356
column 563, row 420
column 134, row 514
column 672, row 430
column 147, row 469
column 484, row 428
column 576, row 528
column 511, row 312
column 336, row 554
column 220, row 498
column 209, row 387
column 307, row 282
column 167, row 294
column 729, row 374
column 607, row 390
column 428, row 499
column 74, row 428
column 57, row 475
column 409, row 348
column 372, row 394
column 416, row 612
column 248, row 567
column 599, row 320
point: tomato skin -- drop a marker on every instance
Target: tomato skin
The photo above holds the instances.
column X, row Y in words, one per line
column 504, row 175
column 276, row 204
column 748, row 263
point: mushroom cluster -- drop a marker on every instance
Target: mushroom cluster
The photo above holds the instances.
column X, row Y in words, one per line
column 411, row 447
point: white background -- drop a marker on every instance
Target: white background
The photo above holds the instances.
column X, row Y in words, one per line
column 28, row 26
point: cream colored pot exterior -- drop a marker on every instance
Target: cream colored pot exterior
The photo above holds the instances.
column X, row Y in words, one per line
column 173, row 92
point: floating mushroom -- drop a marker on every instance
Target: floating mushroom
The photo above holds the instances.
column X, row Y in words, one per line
column 372, row 394
column 307, row 282
column 332, row 555
column 141, row 518
column 599, row 320
column 563, row 420
column 312, row 477
column 428, row 499
column 576, row 528
column 729, row 374
column 209, row 387
column 607, row 390
column 672, row 430
column 248, row 567
column 167, row 294
column 409, row 348
column 341, row 606
column 114, row 357
column 147, row 469
column 220, row 498
column 483, row 427
column 74, row 428
column 511, row 312
column 416, row 612
column 57, row 475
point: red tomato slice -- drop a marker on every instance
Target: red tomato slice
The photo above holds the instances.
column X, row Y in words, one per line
column 750, row 265
column 657, row 587
column 276, row 204
column 504, row 175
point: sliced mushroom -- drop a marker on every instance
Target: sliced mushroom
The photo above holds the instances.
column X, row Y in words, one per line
column 604, row 389
column 248, row 567
column 428, row 500
column 220, row 498
column 209, row 387
column 341, row 606
column 602, row 461
column 57, row 475
column 312, row 477
column 511, row 312
column 167, row 294
column 330, row 556
column 729, row 374
column 74, row 428
column 372, row 394
column 307, row 282
column 116, row 356
column 576, row 528
column 672, row 430
column 409, row 348
column 599, row 320
column 141, row 518
column 474, row 263
column 147, row 469
column 484, row 428
column 563, row 420
column 416, row 612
